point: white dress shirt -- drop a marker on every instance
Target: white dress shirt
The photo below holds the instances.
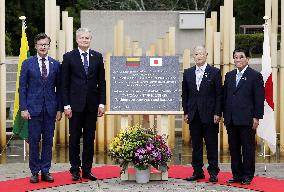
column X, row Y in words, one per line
column 39, row 59
column 242, row 72
column 199, row 72
column 81, row 54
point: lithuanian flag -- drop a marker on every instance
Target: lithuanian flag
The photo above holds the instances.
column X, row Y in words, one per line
column 132, row 61
column 20, row 126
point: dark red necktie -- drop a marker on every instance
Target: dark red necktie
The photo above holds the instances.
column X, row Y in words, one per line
column 43, row 69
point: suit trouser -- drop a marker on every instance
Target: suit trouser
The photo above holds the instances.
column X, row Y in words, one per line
column 209, row 132
column 82, row 121
column 242, row 150
column 41, row 126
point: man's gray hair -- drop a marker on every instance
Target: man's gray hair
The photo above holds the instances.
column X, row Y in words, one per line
column 83, row 30
column 199, row 47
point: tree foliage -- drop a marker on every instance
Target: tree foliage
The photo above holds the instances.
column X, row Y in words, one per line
column 246, row 12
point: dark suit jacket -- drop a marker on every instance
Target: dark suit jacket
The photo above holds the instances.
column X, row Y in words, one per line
column 209, row 97
column 246, row 101
column 80, row 89
column 34, row 92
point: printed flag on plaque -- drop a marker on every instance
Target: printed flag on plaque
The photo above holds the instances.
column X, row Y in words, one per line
column 156, row 62
column 133, row 61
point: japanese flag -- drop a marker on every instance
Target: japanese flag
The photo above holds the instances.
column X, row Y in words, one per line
column 156, row 61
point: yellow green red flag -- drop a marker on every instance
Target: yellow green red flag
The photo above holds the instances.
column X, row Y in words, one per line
column 20, row 126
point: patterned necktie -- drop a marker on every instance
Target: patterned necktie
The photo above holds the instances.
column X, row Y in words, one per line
column 238, row 78
column 199, row 78
column 43, row 69
column 85, row 62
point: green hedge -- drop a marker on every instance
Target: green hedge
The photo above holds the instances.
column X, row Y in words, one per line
column 253, row 42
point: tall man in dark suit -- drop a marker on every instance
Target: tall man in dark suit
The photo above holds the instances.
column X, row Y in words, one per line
column 201, row 101
column 40, row 104
column 243, row 107
column 84, row 97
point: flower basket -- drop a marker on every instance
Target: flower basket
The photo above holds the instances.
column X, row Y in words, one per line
column 140, row 147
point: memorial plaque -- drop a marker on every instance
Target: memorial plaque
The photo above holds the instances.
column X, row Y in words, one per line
column 144, row 83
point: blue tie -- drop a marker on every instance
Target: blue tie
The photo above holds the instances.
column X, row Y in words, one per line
column 85, row 62
column 238, row 78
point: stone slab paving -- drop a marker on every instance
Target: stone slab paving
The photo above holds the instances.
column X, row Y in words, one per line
column 19, row 170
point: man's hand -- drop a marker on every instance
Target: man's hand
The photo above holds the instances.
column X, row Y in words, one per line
column 101, row 111
column 68, row 113
column 255, row 123
column 58, row 116
column 217, row 119
column 185, row 118
column 26, row 115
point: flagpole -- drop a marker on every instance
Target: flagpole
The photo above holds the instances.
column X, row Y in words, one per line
column 265, row 25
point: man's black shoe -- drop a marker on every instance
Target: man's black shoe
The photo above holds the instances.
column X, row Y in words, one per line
column 195, row 177
column 76, row 176
column 213, row 178
column 47, row 177
column 234, row 180
column 89, row 176
column 246, row 181
column 34, row 178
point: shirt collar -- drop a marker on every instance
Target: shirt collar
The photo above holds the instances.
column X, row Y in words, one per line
column 242, row 71
column 203, row 67
column 40, row 58
column 81, row 51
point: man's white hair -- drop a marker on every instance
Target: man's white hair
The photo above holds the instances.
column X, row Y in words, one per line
column 198, row 47
column 83, row 30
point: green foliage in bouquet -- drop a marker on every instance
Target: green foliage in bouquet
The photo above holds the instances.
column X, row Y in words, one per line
column 140, row 146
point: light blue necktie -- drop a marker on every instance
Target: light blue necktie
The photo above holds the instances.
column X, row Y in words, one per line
column 238, row 78
column 85, row 62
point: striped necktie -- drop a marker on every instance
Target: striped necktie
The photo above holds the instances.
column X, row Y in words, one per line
column 85, row 62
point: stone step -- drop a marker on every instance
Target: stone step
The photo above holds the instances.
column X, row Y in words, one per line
column 10, row 95
column 11, row 67
column 11, row 76
column 11, row 85
column 9, row 125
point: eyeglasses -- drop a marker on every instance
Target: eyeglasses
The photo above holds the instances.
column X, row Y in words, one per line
column 42, row 45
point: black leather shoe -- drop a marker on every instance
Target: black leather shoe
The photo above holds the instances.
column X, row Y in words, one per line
column 213, row 178
column 76, row 176
column 89, row 176
column 34, row 178
column 47, row 177
column 195, row 177
column 234, row 180
column 246, row 181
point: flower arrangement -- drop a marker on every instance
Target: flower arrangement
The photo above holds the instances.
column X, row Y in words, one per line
column 141, row 147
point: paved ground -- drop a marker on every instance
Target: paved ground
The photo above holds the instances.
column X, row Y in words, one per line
column 18, row 170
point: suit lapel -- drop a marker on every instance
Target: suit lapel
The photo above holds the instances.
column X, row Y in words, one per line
column 51, row 68
column 192, row 77
column 242, row 80
column 205, row 76
column 92, row 61
column 36, row 68
column 78, row 60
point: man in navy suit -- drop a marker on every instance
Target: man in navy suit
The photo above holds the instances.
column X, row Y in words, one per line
column 40, row 104
column 84, row 97
column 201, row 101
column 243, row 107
